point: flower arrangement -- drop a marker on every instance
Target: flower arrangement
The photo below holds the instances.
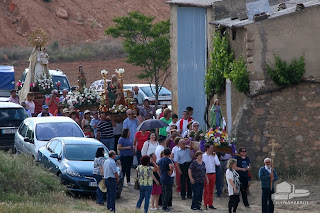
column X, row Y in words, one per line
column 118, row 109
column 104, row 73
column 217, row 137
column 82, row 99
column 120, row 71
column 44, row 86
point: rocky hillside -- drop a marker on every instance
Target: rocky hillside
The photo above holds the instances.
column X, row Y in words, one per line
column 68, row 21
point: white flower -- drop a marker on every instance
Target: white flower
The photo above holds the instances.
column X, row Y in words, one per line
column 120, row 71
column 104, row 72
column 115, row 111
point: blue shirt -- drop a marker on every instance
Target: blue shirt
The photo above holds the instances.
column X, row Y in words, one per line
column 165, row 179
column 94, row 122
column 182, row 156
column 126, row 142
column 109, row 168
column 131, row 125
column 265, row 179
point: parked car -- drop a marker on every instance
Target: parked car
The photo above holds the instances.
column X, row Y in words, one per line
column 35, row 133
column 57, row 75
column 164, row 94
column 71, row 159
column 11, row 116
column 7, row 82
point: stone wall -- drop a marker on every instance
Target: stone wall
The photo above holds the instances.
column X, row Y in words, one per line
column 290, row 118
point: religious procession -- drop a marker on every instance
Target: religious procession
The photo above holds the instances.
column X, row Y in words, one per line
column 165, row 152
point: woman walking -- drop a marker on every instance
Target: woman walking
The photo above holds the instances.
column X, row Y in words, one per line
column 150, row 146
column 243, row 164
column 98, row 172
column 156, row 187
column 145, row 177
column 197, row 175
column 233, row 185
column 125, row 147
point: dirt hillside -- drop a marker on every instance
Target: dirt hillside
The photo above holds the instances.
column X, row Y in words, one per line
column 68, row 21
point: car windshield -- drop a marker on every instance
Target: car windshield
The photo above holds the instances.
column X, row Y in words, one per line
column 12, row 114
column 63, row 80
column 147, row 90
column 83, row 152
column 47, row 131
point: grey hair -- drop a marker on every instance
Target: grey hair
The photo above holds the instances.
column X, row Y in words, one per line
column 230, row 162
column 264, row 161
column 54, row 91
column 194, row 123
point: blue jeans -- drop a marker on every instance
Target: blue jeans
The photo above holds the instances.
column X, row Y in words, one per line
column 218, row 181
column 197, row 189
column 99, row 192
column 111, row 185
column 145, row 193
column 108, row 142
column 138, row 154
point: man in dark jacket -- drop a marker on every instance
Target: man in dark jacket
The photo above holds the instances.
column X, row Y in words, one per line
column 266, row 176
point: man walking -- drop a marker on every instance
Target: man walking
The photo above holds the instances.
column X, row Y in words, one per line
column 105, row 131
column 111, row 178
column 138, row 95
column 130, row 123
column 166, row 170
column 182, row 159
column 211, row 160
column 266, row 177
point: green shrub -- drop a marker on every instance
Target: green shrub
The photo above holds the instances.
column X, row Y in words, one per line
column 239, row 75
column 283, row 74
column 21, row 179
column 221, row 57
column 224, row 66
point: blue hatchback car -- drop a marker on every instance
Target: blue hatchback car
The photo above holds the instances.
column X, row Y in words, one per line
column 71, row 158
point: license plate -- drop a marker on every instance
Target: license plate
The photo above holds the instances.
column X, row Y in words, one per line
column 165, row 102
column 9, row 131
column 93, row 184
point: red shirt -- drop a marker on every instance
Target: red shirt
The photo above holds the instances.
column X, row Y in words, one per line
column 52, row 107
column 141, row 139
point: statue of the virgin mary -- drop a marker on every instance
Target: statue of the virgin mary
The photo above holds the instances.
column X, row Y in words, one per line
column 38, row 63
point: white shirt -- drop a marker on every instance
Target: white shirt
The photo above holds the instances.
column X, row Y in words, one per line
column 268, row 169
column 184, row 125
column 40, row 114
column 174, row 149
column 30, row 106
column 234, row 176
column 158, row 151
column 211, row 162
column 140, row 96
column 149, row 148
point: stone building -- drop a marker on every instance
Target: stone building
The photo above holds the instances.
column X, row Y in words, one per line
column 290, row 116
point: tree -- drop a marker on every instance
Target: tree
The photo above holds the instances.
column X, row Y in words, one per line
column 147, row 45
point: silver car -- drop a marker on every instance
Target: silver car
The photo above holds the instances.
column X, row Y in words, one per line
column 35, row 133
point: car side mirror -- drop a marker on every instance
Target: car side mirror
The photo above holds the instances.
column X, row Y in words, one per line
column 29, row 140
column 54, row 155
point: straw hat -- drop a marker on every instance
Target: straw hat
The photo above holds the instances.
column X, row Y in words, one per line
column 102, row 186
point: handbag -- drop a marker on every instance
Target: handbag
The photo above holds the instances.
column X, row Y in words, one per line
column 136, row 181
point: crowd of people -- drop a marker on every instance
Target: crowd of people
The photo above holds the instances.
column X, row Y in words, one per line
column 162, row 157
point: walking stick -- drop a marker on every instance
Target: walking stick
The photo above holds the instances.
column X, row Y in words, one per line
column 272, row 165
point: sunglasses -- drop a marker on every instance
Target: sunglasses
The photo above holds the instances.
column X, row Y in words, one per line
column 129, row 114
column 243, row 151
column 268, row 162
column 196, row 125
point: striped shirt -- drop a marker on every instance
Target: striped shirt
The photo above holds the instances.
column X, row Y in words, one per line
column 105, row 128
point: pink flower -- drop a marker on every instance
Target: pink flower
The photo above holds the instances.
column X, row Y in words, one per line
column 19, row 84
column 58, row 84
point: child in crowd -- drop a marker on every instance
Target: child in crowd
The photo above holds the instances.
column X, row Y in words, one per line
column 87, row 131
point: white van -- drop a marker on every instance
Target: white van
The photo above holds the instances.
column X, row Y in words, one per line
column 57, row 75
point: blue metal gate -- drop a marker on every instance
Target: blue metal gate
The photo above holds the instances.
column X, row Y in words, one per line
column 192, row 60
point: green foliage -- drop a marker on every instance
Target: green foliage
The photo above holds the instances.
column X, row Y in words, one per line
column 147, row 45
column 239, row 75
column 224, row 66
column 283, row 74
column 20, row 179
column 221, row 57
